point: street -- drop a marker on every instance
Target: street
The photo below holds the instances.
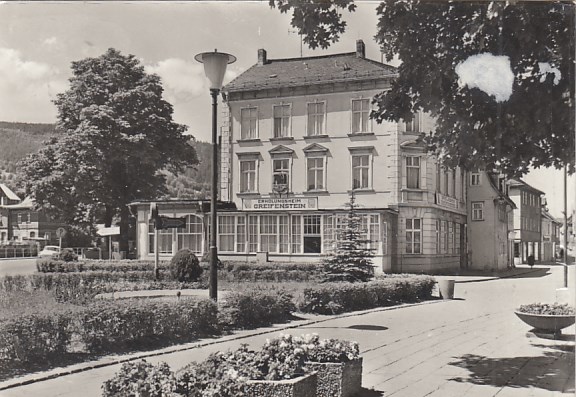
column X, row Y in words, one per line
column 17, row 266
column 470, row 346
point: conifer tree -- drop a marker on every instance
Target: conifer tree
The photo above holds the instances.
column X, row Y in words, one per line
column 351, row 259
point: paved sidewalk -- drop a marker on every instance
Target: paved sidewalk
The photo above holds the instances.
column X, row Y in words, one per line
column 470, row 346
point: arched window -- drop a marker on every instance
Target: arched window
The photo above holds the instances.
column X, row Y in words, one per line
column 32, row 235
column 191, row 236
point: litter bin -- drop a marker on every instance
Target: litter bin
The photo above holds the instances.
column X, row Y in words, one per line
column 446, row 289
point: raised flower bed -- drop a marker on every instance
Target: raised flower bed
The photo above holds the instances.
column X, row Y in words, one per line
column 286, row 366
column 547, row 318
column 337, row 362
column 302, row 386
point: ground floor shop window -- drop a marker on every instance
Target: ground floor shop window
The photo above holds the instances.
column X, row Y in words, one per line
column 164, row 239
column 312, row 234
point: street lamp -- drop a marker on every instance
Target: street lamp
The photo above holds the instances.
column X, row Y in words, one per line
column 215, row 64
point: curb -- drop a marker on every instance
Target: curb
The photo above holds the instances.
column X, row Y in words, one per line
column 138, row 356
column 492, row 278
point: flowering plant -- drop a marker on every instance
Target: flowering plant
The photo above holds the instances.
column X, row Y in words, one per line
column 557, row 309
column 312, row 348
column 283, row 358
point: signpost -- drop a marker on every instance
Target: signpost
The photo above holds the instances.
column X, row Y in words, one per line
column 60, row 232
column 161, row 223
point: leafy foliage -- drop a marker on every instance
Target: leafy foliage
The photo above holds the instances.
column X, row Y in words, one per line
column 534, row 127
column 141, row 378
column 350, row 260
column 117, row 134
column 185, row 266
column 331, row 298
column 562, row 309
column 319, row 22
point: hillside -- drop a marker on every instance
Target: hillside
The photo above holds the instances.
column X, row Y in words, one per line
column 20, row 139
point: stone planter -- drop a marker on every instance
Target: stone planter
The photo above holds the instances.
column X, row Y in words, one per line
column 338, row 379
column 304, row 386
column 546, row 323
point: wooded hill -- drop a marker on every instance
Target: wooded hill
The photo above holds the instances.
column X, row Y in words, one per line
column 20, row 139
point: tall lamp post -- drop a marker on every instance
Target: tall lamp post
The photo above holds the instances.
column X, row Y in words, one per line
column 215, row 64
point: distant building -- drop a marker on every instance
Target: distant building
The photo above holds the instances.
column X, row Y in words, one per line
column 550, row 236
column 490, row 212
column 527, row 220
column 19, row 222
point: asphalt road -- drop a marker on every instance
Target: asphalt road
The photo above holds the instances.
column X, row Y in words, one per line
column 13, row 267
column 470, row 346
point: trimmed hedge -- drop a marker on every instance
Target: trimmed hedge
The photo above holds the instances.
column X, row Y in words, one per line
column 127, row 323
column 51, row 265
column 81, row 287
column 256, row 307
column 332, row 298
column 118, row 325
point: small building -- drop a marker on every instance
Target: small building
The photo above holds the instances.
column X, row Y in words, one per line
column 20, row 222
column 489, row 212
column 527, row 220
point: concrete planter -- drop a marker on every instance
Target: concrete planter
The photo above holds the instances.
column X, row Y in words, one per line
column 338, row 379
column 547, row 323
column 303, row 386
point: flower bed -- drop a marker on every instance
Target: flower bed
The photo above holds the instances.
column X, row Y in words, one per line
column 276, row 370
column 554, row 309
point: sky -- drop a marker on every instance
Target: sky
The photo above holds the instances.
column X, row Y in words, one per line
column 39, row 40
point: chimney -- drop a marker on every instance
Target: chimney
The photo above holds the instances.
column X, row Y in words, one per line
column 360, row 49
column 262, row 57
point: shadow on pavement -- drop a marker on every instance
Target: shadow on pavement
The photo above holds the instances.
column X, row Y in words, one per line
column 370, row 393
column 549, row 371
column 359, row 327
column 536, row 272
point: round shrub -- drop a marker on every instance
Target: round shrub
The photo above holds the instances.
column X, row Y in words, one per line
column 185, row 266
column 67, row 255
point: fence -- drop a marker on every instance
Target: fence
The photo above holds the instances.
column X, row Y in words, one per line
column 18, row 251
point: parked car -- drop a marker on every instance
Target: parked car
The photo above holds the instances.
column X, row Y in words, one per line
column 49, row 250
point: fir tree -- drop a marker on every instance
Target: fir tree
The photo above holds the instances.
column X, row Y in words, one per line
column 351, row 259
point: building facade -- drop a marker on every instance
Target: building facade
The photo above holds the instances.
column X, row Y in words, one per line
column 550, row 237
column 297, row 142
column 20, row 222
column 490, row 212
column 527, row 220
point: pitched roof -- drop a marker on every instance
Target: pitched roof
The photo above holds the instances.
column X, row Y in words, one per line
column 8, row 192
column 521, row 183
column 276, row 73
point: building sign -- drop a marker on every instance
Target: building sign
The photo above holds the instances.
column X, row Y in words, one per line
column 273, row 204
column 445, row 201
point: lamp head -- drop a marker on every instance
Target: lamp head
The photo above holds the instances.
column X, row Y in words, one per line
column 215, row 66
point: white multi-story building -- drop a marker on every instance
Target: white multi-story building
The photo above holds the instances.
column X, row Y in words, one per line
column 297, row 141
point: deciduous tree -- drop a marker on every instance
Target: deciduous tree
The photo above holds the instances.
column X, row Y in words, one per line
column 532, row 127
column 115, row 136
